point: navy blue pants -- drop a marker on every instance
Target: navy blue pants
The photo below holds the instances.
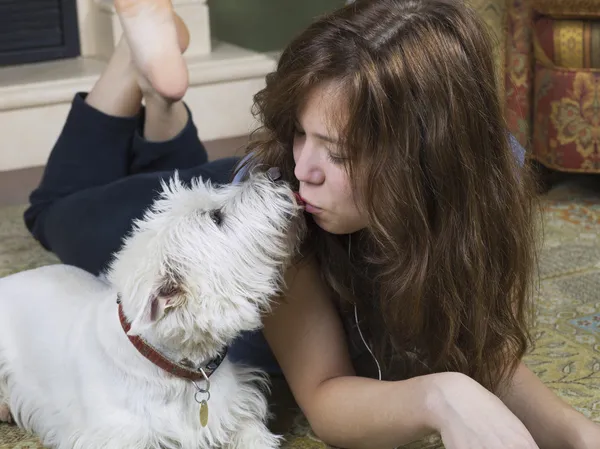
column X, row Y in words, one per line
column 100, row 176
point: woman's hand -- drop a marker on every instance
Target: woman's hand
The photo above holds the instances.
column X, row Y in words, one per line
column 468, row 416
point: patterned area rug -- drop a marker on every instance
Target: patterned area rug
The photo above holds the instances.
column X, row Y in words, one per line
column 567, row 331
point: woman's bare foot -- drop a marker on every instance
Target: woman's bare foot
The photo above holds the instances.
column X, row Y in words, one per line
column 164, row 117
column 148, row 88
column 118, row 92
column 154, row 35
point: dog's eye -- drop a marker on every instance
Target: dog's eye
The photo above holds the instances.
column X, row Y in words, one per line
column 216, row 216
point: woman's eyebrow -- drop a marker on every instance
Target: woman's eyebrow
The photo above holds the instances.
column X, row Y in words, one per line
column 325, row 138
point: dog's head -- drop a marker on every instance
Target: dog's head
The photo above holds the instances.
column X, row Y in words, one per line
column 204, row 262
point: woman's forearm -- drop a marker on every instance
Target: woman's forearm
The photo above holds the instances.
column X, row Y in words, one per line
column 356, row 412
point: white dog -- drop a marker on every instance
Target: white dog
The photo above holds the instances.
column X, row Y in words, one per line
column 198, row 269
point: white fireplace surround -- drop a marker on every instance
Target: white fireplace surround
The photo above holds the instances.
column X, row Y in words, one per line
column 35, row 98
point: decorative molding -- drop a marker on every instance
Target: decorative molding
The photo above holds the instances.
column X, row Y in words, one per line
column 56, row 82
column 222, row 86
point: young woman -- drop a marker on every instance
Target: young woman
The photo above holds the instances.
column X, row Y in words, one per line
column 385, row 116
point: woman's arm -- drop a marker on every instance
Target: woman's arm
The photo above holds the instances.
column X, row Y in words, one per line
column 552, row 422
column 307, row 338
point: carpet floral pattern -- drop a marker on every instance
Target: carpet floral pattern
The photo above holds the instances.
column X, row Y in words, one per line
column 566, row 354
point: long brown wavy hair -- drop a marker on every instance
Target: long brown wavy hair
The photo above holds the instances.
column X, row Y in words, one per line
column 444, row 270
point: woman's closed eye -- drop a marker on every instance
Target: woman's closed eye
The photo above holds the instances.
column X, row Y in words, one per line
column 332, row 156
column 298, row 132
column 335, row 158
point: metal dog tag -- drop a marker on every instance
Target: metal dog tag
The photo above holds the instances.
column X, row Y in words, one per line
column 203, row 413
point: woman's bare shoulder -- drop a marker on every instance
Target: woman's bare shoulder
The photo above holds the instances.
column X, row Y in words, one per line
column 305, row 332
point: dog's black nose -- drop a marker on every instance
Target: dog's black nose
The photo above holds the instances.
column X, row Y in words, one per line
column 274, row 173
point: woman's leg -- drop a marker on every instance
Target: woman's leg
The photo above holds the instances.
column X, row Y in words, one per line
column 84, row 222
column 166, row 139
column 93, row 147
column 85, row 228
column 87, row 198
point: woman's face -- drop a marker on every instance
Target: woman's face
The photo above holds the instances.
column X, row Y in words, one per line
column 320, row 168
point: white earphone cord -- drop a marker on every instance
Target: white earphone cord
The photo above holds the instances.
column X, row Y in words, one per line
column 358, row 325
column 360, row 332
column 365, row 343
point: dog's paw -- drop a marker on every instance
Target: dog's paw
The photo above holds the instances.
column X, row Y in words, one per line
column 256, row 436
column 5, row 415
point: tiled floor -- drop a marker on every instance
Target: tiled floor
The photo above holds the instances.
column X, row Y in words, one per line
column 16, row 185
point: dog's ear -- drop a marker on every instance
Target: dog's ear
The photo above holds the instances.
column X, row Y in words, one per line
column 153, row 310
column 156, row 307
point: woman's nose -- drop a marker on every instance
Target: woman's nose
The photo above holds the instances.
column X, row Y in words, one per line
column 308, row 166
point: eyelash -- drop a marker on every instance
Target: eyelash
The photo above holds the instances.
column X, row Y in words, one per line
column 337, row 160
column 334, row 159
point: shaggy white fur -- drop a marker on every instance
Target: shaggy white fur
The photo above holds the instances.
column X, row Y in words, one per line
column 198, row 269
